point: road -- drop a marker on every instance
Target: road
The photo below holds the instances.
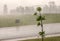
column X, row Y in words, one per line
column 28, row 31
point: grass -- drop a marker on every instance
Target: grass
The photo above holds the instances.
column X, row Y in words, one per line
column 8, row 21
column 46, row 39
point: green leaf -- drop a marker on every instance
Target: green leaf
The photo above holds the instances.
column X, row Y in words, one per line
column 35, row 13
column 39, row 18
column 41, row 33
column 38, row 23
column 39, row 9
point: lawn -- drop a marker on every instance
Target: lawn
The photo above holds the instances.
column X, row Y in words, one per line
column 27, row 19
column 46, row 39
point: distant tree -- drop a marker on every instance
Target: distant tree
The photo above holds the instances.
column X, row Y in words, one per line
column 39, row 20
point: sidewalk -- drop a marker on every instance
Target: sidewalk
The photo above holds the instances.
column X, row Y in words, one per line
column 31, row 38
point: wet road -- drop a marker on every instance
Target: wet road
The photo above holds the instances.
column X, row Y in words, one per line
column 28, row 31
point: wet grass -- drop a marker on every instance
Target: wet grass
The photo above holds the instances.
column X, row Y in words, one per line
column 46, row 39
column 8, row 21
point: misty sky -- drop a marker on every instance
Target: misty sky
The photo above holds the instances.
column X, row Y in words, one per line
column 27, row 2
column 14, row 3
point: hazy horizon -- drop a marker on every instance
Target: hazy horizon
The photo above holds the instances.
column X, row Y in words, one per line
column 12, row 4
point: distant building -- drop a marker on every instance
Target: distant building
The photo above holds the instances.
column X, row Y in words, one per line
column 29, row 10
column 5, row 9
column 18, row 10
column 46, row 9
column 13, row 12
column 58, row 9
column 23, row 10
column 50, row 8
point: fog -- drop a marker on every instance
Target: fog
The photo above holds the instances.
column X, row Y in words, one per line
column 12, row 4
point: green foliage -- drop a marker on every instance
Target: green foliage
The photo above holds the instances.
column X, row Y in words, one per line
column 38, row 23
column 41, row 33
column 39, row 9
column 40, row 18
column 43, row 18
column 35, row 13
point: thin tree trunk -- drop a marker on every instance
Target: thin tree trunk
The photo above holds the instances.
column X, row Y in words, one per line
column 42, row 30
column 42, row 27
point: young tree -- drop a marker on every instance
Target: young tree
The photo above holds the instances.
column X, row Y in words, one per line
column 40, row 19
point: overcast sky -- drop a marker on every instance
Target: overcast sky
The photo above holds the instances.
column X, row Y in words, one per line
column 14, row 3
column 27, row 2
